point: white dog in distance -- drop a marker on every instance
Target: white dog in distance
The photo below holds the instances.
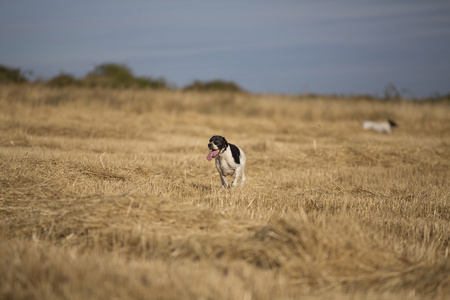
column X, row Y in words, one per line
column 382, row 127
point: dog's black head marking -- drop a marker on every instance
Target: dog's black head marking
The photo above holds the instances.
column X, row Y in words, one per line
column 392, row 123
column 220, row 142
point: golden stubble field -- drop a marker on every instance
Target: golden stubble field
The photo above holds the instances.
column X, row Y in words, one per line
column 106, row 194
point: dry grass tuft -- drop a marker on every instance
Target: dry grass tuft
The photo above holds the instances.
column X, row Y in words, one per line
column 107, row 194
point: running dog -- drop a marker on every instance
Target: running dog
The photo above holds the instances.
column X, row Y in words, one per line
column 383, row 127
column 229, row 159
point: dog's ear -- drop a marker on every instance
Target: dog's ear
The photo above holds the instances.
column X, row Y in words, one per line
column 225, row 143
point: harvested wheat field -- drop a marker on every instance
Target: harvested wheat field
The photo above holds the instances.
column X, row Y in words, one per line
column 106, row 194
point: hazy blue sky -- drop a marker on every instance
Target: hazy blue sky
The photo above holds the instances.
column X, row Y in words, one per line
column 291, row 47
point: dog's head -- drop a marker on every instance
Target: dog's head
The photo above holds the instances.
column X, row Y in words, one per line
column 393, row 124
column 217, row 144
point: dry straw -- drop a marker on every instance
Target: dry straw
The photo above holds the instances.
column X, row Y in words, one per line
column 107, row 194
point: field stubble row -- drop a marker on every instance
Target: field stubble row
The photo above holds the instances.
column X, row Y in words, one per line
column 112, row 187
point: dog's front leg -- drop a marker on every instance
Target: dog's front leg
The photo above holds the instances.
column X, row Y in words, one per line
column 243, row 177
column 236, row 178
column 224, row 181
column 223, row 178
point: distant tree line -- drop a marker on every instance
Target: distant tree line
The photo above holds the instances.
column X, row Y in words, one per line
column 111, row 75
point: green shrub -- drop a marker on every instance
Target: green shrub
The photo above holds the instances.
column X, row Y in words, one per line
column 110, row 75
column 214, row 85
column 11, row 75
column 63, row 80
column 147, row 82
column 120, row 76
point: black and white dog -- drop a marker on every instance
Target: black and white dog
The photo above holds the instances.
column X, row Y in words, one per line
column 383, row 127
column 229, row 159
